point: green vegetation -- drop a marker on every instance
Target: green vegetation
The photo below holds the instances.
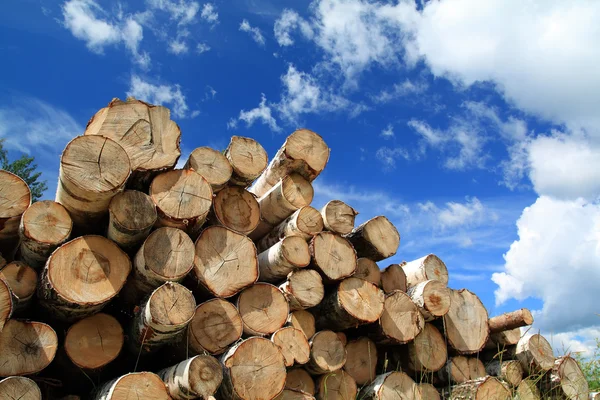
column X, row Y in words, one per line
column 591, row 367
column 25, row 168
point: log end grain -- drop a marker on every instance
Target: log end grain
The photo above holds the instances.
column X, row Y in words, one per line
column 535, row 353
column 333, row 256
column 427, row 353
column 361, row 360
column 327, row 353
column 168, row 253
column 171, row 305
column 293, row 345
column 300, row 380
column 401, row 320
column 336, row 385
column 392, row 385
column 304, row 321
column 303, row 289
column 461, row 369
column 430, row 267
column 215, row 326
column 376, row 239
column 432, row 298
column 131, row 216
column 237, row 209
column 212, row 165
column 308, row 146
column 466, row 322
column 21, row 279
column 393, row 278
column 297, row 191
column 566, row 380
column 27, row 347
column 45, row 223
column 289, row 394
column 15, row 196
column 6, row 303
column 527, row 390
column 263, row 308
column 205, row 375
column 19, row 387
column 146, row 385
column 338, row 217
column 247, row 158
column 429, row 392
column 368, row 270
column 94, row 341
column 361, row 299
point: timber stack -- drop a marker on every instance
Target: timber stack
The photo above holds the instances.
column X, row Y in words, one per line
column 223, row 280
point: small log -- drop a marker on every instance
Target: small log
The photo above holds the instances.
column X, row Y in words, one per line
column 424, row 269
column 6, row 303
column 400, row 320
column 428, row 391
column 293, row 345
column 368, row 270
column 432, row 298
column 466, row 322
column 509, row 371
column 338, row 217
column 510, row 320
column 502, row 339
column 392, row 385
column 333, row 256
column 338, row 385
column 19, row 388
column 81, row 276
column 212, row 165
column 306, row 222
column 196, row 377
column 327, row 353
column 225, row 261
column 289, row 394
column 304, row 321
column 393, row 278
column 253, row 369
column 26, row 347
column 145, row 385
column 93, row 169
column 303, row 289
column 361, row 360
column 248, row 160
column 132, row 215
column 182, row 198
column 300, row 380
column 528, row 390
column 22, row 281
column 535, row 354
column 427, row 352
column 235, row 208
column 285, row 256
column 376, row 239
column 44, row 226
column 343, row 338
column 15, row 198
column 461, row 369
column 486, row 388
column 263, row 309
column 303, row 152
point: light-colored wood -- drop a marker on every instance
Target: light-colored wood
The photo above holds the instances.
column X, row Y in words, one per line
column 285, row 256
column 22, row 281
column 145, row 386
column 26, row 347
column 303, row 289
column 183, row 199
column 432, row 298
column 212, row 165
column 132, row 215
column 93, row 169
column 254, row 369
column 304, row 152
column 15, row 198
column 81, row 276
column 393, row 278
column 248, row 160
column 400, row 320
column 327, row 353
column 304, row 321
column 426, row 268
column 535, row 354
column 343, row 338
column 338, row 217
column 392, row 386
column 361, row 360
column 44, row 226
column 333, row 256
column 235, row 208
column 486, row 388
column 466, row 322
column 510, row 320
column 306, row 222
column 263, row 309
column 299, row 379
column 427, row 352
column 6, row 303
column 527, row 390
column 376, row 239
column 293, row 345
column 505, row 338
column 225, row 261
column 461, row 369
column 336, row 385
column 215, row 326
column 509, row 371
column 368, row 270
column 94, row 342
column 354, row 302
column 19, row 388
column 289, row 394
column 196, row 377
column 429, row 392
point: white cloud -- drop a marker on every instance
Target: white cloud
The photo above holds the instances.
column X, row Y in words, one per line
column 388, row 156
column 388, row 132
column 470, row 213
column 164, row 94
column 261, row 113
column 202, row 48
column 182, row 11
column 253, row 31
column 178, row 47
column 288, row 21
column 210, row 14
column 406, row 88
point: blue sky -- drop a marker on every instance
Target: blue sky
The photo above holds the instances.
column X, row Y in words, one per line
column 474, row 126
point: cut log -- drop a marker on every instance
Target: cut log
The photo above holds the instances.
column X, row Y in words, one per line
column 93, row 169
column 528, row 390
column 461, row 369
column 393, row 278
column 466, row 322
column 212, row 165
column 535, row 354
column 81, row 276
column 304, row 321
column 392, row 386
column 26, row 347
column 247, row 158
column 165, row 314
column 368, row 270
column 361, row 360
column 215, row 326
column 254, row 369
column 338, row 217
column 196, row 377
column 263, row 309
column 509, row 371
column 278, row 261
column 182, row 198
column 225, row 261
column 336, row 385
column 15, row 198
column 502, row 339
column 145, row 385
column 94, row 342
column 6, row 303
column 288, row 394
column 424, row 269
column 376, row 239
column 343, row 338
column 132, row 215
column 44, row 226
column 327, row 353
column 510, row 320
column 429, row 392
column 303, row 152
column 305, row 223
column 145, row 131
column 432, row 298
column 22, row 281
column 400, row 320
column 355, row 302
column 235, row 208
column 333, row 256
column 303, row 289
column 487, row 388
column 300, row 380
column 19, row 388
column 427, row 352
column 293, row 345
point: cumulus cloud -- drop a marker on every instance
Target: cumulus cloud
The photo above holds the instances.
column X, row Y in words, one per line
column 182, row 11
column 210, row 14
column 471, row 212
column 178, row 47
column 406, row 88
column 262, row 113
column 202, row 48
column 388, row 132
column 286, row 23
column 253, row 31
column 164, row 94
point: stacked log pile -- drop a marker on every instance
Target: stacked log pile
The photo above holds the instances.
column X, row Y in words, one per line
column 221, row 281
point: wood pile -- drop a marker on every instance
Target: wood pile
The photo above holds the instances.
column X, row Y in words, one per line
column 221, row 281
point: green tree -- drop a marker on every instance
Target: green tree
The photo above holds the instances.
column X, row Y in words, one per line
column 591, row 367
column 26, row 169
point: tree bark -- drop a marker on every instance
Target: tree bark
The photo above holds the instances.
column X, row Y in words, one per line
column 327, row 353
column 510, row 320
column 393, row 278
column 400, row 320
column 432, row 298
column 248, row 160
column 336, row 385
column 263, row 309
column 306, row 222
column 285, row 256
column 461, row 369
column 304, row 152
column 44, row 226
column 132, row 215
column 427, row 352
column 303, row 289
column 502, row 339
column 196, row 377
column 535, row 354
column 19, row 388
column 429, row 392
column 527, row 390
column 304, row 321
column 299, row 379
column 486, row 388
column 392, row 385
column 26, row 347
column 333, row 256
column 145, row 385
column 212, row 165
column 22, row 281
column 424, row 269
column 466, row 322
column 15, row 198
column 368, row 270
column 6, row 303
column 289, row 394
column 338, row 217
column 361, row 360
column 293, row 345
column 235, row 208
column 509, row 371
